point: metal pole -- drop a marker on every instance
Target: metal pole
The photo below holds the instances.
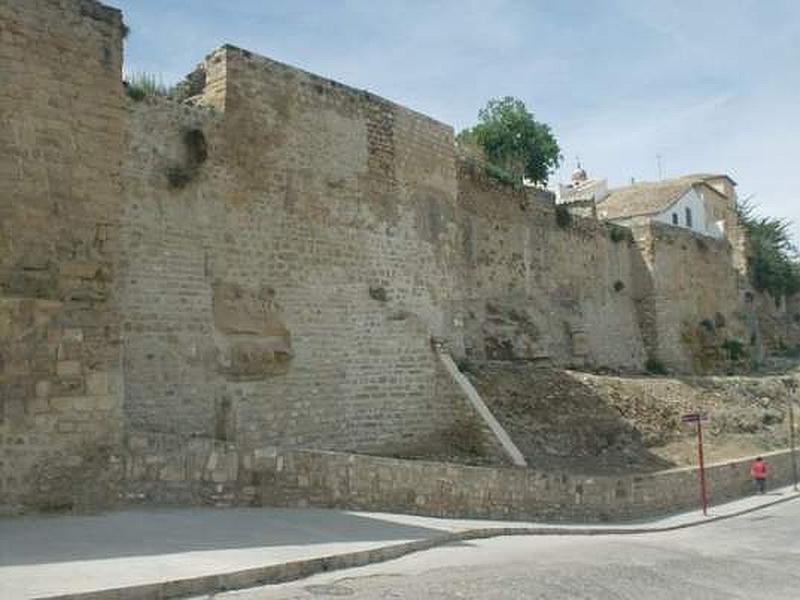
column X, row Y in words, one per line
column 703, row 494
column 792, row 444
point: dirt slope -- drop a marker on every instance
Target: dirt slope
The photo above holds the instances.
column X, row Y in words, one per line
column 744, row 415
column 602, row 424
column 558, row 422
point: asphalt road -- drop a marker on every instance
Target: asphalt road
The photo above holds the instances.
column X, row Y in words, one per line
column 756, row 556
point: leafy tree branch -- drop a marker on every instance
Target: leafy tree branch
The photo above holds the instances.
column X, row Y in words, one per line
column 773, row 258
column 513, row 140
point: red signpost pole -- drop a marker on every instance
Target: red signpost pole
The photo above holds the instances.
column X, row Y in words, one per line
column 695, row 418
column 703, row 494
column 792, row 444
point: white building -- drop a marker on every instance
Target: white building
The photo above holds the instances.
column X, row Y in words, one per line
column 582, row 189
column 582, row 194
column 704, row 203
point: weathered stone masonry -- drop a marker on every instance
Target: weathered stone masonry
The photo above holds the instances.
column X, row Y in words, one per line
column 535, row 291
column 691, row 297
column 61, row 140
column 288, row 282
column 168, row 469
column 266, row 265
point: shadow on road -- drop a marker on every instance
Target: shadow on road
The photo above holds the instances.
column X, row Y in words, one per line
column 47, row 539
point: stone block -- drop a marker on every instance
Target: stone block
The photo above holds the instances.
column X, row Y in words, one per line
column 16, row 367
column 97, row 383
column 212, row 461
column 83, row 403
column 61, row 403
column 171, row 472
column 68, row 368
column 43, row 388
column 72, row 386
column 45, row 422
column 69, row 350
column 252, row 358
column 37, row 406
column 219, row 475
column 73, row 335
column 54, row 334
column 73, row 460
column 104, row 403
column 66, row 427
column 80, row 270
column 247, row 312
column 138, row 442
column 13, row 410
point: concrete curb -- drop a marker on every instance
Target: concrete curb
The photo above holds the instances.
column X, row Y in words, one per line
column 290, row 571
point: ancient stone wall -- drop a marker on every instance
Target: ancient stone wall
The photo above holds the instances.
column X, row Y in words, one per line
column 539, row 286
column 282, row 282
column 166, row 469
column 778, row 323
column 325, row 479
column 268, row 263
column 690, row 301
column 61, row 115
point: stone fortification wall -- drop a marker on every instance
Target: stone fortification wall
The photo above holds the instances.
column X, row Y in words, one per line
column 286, row 263
column 268, row 263
column 536, row 288
column 61, row 115
column 778, row 323
column 164, row 469
column 690, row 297
column 301, row 478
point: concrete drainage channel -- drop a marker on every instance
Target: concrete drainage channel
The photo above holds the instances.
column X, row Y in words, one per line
column 291, row 571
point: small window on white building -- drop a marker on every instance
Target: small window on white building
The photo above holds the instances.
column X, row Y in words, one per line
column 688, row 217
column 674, row 218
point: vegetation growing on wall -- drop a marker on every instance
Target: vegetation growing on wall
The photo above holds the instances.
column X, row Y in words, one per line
column 180, row 175
column 501, row 175
column 141, row 85
column 655, row 367
column 563, row 216
column 709, row 325
column 514, row 141
column 788, row 351
column 466, row 438
column 773, row 258
column 619, row 234
column 735, row 350
column 191, row 85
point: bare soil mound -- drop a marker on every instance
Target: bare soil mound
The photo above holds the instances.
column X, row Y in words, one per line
column 559, row 422
column 742, row 415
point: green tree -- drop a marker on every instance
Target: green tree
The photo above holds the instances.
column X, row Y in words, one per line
column 773, row 258
column 513, row 140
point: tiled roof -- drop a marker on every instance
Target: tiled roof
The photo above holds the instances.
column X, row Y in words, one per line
column 648, row 198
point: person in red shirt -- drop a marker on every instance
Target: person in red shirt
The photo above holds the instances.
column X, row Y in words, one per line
column 758, row 471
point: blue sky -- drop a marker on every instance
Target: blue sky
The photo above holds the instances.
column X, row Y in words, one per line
column 707, row 85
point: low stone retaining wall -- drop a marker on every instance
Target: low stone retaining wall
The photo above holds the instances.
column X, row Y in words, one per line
column 164, row 470
column 301, row 478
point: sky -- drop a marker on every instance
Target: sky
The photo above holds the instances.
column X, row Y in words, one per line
column 707, row 86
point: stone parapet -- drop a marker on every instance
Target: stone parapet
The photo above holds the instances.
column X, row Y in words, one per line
column 170, row 470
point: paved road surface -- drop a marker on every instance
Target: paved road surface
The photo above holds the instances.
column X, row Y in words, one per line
column 755, row 556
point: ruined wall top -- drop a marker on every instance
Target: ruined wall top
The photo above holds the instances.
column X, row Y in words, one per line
column 99, row 11
column 230, row 53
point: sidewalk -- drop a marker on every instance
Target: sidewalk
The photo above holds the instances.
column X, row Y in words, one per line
column 163, row 553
